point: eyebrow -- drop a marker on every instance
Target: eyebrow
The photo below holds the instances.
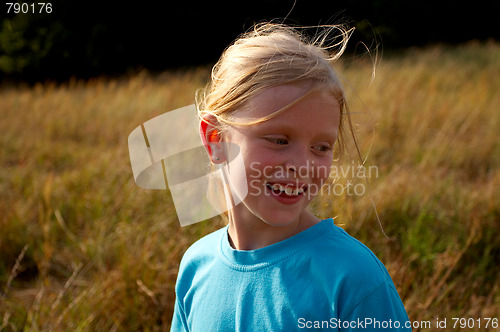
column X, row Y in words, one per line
column 333, row 134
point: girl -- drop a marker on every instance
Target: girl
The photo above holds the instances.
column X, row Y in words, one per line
column 276, row 266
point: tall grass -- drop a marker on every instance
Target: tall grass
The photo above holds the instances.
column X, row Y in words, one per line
column 83, row 248
column 437, row 146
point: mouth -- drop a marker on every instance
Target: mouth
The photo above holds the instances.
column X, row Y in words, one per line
column 286, row 190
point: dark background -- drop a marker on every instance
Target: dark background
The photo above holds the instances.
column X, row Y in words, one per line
column 91, row 38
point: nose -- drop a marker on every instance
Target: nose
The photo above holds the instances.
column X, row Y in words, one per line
column 298, row 162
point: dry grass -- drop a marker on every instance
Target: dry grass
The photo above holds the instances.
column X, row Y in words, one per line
column 84, row 249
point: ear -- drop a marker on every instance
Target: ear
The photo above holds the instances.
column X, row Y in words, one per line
column 211, row 138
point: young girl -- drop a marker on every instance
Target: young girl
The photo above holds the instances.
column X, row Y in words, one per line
column 276, row 266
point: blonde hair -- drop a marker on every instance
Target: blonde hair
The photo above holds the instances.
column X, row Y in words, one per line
column 271, row 55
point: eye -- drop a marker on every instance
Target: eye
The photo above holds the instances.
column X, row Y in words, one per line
column 277, row 140
column 322, row 147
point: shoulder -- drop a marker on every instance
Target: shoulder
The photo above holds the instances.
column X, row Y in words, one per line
column 199, row 258
column 362, row 280
column 202, row 250
column 347, row 264
column 350, row 255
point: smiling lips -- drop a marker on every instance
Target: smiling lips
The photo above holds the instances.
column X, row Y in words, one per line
column 287, row 189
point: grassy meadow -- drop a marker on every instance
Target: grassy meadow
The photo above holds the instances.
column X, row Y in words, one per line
column 82, row 248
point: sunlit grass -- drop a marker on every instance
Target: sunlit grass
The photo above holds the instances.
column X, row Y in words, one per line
column 100, row 253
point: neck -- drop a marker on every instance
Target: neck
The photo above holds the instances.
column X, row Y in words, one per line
column 253, row 233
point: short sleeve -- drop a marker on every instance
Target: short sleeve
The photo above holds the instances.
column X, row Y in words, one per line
column 380, row 310
column 179, row 323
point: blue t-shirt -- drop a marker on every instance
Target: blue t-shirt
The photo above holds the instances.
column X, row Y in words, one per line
column 320, row 279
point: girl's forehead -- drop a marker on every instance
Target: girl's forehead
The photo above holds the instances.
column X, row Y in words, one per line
column 280, row 97
column 275, row 98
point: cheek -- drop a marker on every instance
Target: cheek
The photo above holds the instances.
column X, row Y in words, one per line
column 257, row 171
column 256, row 166
column 259, row 163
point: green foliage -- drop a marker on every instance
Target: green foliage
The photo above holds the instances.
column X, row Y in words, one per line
column 111, row 37
column 28, row 43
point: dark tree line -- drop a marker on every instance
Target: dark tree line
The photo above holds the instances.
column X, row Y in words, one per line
column 88, row 38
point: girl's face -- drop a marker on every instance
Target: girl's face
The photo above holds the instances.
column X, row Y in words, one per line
column 287, row 158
